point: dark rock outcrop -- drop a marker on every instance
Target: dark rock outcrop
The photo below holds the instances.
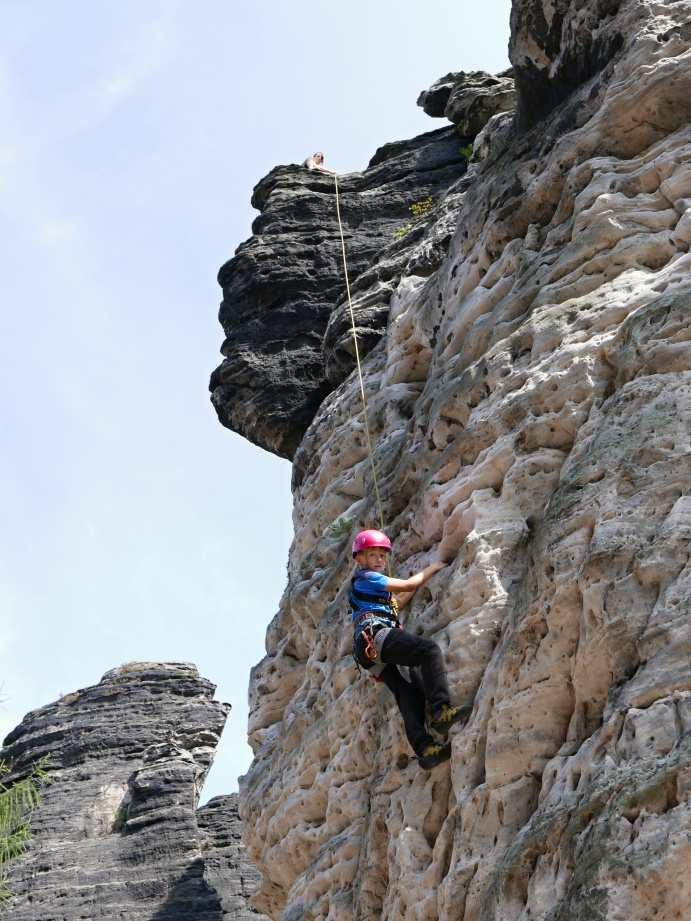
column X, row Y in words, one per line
column 283, row 285
column 558, row 45
column 226, row 865
column 118, row 834
column 469, row 100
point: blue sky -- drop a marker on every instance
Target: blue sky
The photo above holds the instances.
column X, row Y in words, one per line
column 135, row 526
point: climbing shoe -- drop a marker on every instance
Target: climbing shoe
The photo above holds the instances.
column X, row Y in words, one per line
column 447, row 716
column 434, row 754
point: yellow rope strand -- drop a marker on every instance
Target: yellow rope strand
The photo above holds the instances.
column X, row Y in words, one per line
column 358, row 363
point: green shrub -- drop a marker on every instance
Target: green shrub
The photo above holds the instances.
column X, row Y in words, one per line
column 339, row 528
column 418, row 209
column 402, row 231
column 467, row 151
column 422, row 208
column 17, row 803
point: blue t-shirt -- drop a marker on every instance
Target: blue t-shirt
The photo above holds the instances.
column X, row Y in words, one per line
column 368, row 582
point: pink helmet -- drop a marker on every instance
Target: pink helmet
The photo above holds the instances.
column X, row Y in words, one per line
column 368, row 540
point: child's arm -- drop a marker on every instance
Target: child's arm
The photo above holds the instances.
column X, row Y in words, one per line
column 406, row 588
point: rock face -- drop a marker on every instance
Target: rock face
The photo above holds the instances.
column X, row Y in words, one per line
column 285, row 285
column 118, row 834
column 469, row 100
column 227, row 867
column 531, row 405
column 558, row 45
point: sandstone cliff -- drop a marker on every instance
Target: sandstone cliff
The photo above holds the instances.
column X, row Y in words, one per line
column 118, row 834
column 531, row 401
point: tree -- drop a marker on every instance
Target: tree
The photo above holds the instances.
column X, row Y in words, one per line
column 17, row 802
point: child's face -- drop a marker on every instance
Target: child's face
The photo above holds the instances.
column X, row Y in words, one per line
column 374, row 559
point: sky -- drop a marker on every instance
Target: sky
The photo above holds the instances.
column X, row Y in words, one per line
column 134, row 526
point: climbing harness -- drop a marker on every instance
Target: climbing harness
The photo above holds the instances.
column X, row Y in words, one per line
column 358, row 362
column 384, row 599
column 368, row 654
column 370, row 648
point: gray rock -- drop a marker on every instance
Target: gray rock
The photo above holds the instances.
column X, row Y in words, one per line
column 117, row 834
column 433, row 100
column 474, row 100
column 227, row 866
column 557, row 46
column 469, row 100
column 282, row 286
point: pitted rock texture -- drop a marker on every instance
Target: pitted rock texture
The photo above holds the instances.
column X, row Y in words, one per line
column 283, row 285
column 469, row 100
column 531, row 407
column 117, row 834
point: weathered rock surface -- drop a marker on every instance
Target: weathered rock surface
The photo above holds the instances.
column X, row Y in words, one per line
column 531, row 403
column 558, row 45
column 227, row 867
column 283, row 285
column 118, row 834
column 469, row 100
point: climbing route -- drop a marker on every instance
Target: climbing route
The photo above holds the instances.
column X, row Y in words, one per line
column 363, row 395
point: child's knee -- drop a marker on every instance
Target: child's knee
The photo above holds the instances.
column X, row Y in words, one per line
column 432, row 652
column 430, row 647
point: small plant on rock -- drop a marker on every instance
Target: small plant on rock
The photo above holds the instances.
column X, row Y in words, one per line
column 467, row 151
column 419, row 210
column 339, row 528
column 422, row 208
column 400, row 232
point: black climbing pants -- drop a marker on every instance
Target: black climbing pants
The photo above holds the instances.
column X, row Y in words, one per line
column 428, row 681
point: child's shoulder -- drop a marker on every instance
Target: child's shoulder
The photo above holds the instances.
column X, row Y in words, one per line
column 369, row 575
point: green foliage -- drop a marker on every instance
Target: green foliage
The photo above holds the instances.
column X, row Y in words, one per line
column 467, row 151
column 418, row 209
column 17, row 802
column 339, row 528
column 400, row 232
column 422, row 208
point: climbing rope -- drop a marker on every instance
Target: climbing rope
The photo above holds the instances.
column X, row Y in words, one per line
column 358, row 362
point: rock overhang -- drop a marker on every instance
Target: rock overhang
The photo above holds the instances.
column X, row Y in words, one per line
column 283, row 289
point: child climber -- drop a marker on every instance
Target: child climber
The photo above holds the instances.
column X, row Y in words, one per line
column 381, row 646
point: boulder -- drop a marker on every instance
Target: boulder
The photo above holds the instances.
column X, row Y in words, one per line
column 469, row 100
